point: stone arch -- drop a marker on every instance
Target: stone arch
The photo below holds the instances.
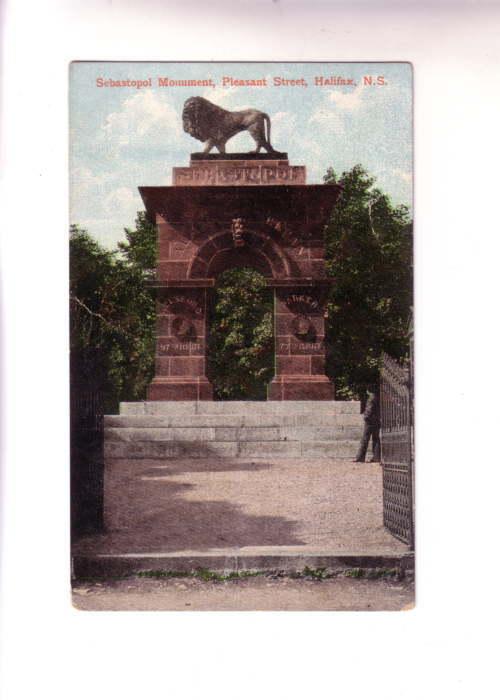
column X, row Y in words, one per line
column 219, row 253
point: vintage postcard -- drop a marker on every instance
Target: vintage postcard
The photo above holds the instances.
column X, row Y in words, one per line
column 241, row 296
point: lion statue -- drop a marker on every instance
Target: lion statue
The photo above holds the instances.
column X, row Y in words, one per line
column 215, row 126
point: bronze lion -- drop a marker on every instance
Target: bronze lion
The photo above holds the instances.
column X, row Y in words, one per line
column 215, row 126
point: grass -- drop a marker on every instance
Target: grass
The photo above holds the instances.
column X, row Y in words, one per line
column 202, row 574
column 319, row 574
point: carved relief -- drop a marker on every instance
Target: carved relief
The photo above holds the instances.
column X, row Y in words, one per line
column 237, row 230
column 182, row 328
column 300, row 326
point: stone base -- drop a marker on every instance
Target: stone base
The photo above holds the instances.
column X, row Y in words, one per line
column 275, row 155
column 180, row 389
column 300, row 388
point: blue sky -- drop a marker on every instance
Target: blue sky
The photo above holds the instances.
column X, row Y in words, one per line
column 121, row 138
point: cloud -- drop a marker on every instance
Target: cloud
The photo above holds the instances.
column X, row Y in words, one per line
column 283, row 128
column 348, row 101
column 222, row 96
column 145, row 117
column 328, row 121
column 87, row 190
column 121, row 199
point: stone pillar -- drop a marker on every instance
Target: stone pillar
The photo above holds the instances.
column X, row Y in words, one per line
column 300, row 346
column 181, row 346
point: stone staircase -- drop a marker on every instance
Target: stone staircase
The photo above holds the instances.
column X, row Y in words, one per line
column 230, row 429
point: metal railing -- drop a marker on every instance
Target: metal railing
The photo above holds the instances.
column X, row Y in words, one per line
column 396, row 415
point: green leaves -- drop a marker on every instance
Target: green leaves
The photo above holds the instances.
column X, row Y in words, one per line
column 241, row 349
column 140, row 247
column 369, row 253
column 112, row 316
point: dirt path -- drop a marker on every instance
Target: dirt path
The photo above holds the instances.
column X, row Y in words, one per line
column 259, row 593
column 176, row 505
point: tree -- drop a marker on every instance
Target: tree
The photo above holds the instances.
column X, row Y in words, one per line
column 112, row 317
column 369, row 255
column 140, row 247
column 241, row 354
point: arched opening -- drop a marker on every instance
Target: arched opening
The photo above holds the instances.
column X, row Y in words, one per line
column 240, row 359
column 258, row 251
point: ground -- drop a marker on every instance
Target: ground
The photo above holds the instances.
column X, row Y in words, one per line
column 296, row 505
column 234, row 515
column 256, row 593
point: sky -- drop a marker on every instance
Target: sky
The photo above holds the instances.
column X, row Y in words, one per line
column 125, row 137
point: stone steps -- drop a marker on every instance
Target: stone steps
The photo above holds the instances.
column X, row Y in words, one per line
column 244, row 408
column 230, row 434
column 170, row 449
column 332, row 420
column 229, row 429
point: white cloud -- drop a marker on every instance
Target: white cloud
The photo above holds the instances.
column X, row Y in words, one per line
column 145, row 116
column 347, row 101
column 87, row 190
column 81, row 175
column 328, row 121
column 283, row 130
column 222, row 96
column 122, row 199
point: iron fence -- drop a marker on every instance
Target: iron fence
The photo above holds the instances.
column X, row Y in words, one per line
column 396, row 414
column 87, row 465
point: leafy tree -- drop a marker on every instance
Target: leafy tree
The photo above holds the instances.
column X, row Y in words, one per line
column 241, row 350
column 112, row 317
column 140, row 246
column 369, row 255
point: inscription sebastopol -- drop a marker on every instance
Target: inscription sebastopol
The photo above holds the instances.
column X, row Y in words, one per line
column 240, row 174
column 194, row 176
column 236, row 174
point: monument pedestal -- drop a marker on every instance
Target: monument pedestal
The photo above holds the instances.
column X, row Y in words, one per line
column 230, row 210
column 180, row 389
column 300, row 345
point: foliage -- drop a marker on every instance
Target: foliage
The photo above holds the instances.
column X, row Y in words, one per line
column 241, row 352
column 140, row 246
column 369, row 255
column 112, row 316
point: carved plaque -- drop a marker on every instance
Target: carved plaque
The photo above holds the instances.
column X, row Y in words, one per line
column 240, row 173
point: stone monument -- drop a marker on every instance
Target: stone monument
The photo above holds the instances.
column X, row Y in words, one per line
column 239, row 210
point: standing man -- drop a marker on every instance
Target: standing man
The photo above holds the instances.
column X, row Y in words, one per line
column 371, row 417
